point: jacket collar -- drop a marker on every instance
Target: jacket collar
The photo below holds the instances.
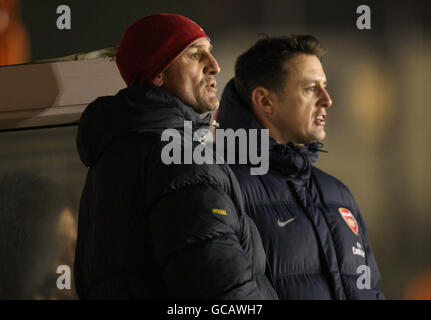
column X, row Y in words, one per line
column 135, row 109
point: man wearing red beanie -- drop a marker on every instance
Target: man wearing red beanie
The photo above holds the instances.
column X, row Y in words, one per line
column 146, row 229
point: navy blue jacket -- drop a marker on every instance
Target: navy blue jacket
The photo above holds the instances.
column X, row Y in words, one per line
column 313, row 232
column 148, row 230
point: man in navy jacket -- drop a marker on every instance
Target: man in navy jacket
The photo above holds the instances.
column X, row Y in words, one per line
column 313, row 232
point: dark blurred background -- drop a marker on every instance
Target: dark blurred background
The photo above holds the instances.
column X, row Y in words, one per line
column 377, row 129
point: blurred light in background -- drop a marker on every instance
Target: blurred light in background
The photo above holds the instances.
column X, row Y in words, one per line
column 14, row 40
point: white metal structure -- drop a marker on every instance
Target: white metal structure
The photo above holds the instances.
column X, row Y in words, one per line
column 55, row 92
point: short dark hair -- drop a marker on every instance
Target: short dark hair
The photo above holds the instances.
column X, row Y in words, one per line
column 262, row 64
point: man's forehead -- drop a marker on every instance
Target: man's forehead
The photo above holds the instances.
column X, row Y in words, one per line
column 199, row 44
column 305, row 68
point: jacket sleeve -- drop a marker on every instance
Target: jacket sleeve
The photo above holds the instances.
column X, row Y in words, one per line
column 195, row 232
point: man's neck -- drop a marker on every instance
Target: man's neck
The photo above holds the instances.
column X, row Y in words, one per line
column 274, row 133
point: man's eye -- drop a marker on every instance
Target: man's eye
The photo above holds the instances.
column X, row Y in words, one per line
column 196, row 55
column 311, row 89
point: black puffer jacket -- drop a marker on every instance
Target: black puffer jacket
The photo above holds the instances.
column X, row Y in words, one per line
column 313, row 251
column 148, row 230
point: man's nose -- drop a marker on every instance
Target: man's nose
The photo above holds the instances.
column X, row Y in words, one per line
column 211, row 66
column 325, row 100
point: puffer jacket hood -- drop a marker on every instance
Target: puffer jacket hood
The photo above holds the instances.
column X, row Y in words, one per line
column 136, row 109
column 287, row 158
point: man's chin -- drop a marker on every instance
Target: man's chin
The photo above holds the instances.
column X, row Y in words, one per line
column 210, row 105
column 317, row 137
column 320, row 137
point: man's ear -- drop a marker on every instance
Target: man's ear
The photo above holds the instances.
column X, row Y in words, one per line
column 158, row 81
column 261, row 100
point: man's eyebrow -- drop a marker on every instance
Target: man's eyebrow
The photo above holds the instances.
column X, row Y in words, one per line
column 200, row 46
column 307, row 81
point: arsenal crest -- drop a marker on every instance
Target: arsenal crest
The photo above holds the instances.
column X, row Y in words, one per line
column 350, row 219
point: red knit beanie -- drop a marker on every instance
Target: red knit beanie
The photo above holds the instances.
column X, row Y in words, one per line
column 152, row 43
